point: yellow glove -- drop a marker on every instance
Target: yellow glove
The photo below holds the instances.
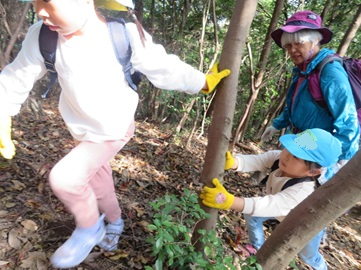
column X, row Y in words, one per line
column 217, row 197
column 229, row 161
column 7, row 147
column 214, row 77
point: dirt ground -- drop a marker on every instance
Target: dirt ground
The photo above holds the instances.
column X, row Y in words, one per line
column 33, row 223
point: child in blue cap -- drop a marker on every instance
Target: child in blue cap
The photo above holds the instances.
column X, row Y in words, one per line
column 301, row 161
column 97, row 106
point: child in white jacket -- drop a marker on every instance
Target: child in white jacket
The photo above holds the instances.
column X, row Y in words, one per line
column 299, row 164
column 97, row 106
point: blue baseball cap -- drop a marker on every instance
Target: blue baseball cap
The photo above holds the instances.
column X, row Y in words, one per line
column 316, row 145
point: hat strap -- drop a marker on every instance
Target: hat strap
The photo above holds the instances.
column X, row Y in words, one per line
column 302, row 23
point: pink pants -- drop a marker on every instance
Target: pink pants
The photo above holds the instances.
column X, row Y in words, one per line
column 83, row 180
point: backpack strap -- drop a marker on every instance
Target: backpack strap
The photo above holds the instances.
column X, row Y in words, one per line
column 273, row 168
column 121, row 46
column 48, row 41
column 294, row 181
column 353, row 70
column 314, row 80
column 289, row 183
column 326, row 60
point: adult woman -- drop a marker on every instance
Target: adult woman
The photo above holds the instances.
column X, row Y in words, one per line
column 301, row 37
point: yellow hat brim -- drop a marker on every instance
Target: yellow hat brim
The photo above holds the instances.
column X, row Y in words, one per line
column 110, row 4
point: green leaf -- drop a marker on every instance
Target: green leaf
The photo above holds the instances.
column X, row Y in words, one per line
column 168, row 237
column 167, row 223
column 252, row 260
column 159, row 264
column 207, row 251
column 169, row 251
column 182, row 229
column 157, row 223
column 152, row 227
column 159, row 243
column 170, row 261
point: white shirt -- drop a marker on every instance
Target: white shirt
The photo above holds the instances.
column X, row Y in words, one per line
column 277, row 203
column 96, row 102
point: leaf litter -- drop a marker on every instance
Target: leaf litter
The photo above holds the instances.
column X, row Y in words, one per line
column 33, row 223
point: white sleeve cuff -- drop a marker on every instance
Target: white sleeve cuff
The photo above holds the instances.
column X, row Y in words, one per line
column 248, row 206
column 241, row 163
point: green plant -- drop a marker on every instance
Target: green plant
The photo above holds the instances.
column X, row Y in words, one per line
column 251, row 264
column 173, row 224
column 293, row 264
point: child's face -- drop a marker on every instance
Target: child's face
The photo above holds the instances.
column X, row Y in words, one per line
column 64, row 16
column 292, row 166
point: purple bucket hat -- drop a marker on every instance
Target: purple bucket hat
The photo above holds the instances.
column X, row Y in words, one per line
column 303, row 20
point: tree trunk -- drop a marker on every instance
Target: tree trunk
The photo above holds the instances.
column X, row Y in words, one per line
column 152, row 11
column 220, row 129
column 185, row 116
column 186, row 7
column 208, row 108
column 5, row 56
column 256, row 79
column 323, row 206
column 350, row 33
column 276, row 107
column 201, row 61
column 155, row 104
column 139, row 11
column 325, row 10
column 194, row 128
column 239, row 135
column 278, row 104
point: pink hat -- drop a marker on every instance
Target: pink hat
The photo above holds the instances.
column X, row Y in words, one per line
column 302, row 20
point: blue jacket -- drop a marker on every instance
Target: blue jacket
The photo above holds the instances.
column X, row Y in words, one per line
column 305, row 113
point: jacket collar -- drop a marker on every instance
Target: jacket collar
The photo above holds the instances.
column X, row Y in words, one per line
column 313, row 64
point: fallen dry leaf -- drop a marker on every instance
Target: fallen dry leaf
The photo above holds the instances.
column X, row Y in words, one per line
column 29, row 225
column 119, row 256
column 18, row 185
column 2, row 263
column 13, row 239
column 35, row 261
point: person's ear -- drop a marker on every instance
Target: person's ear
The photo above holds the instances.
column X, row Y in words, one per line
column 314, row 172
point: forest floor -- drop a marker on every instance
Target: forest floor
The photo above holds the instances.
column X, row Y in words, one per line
column 33, row 223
